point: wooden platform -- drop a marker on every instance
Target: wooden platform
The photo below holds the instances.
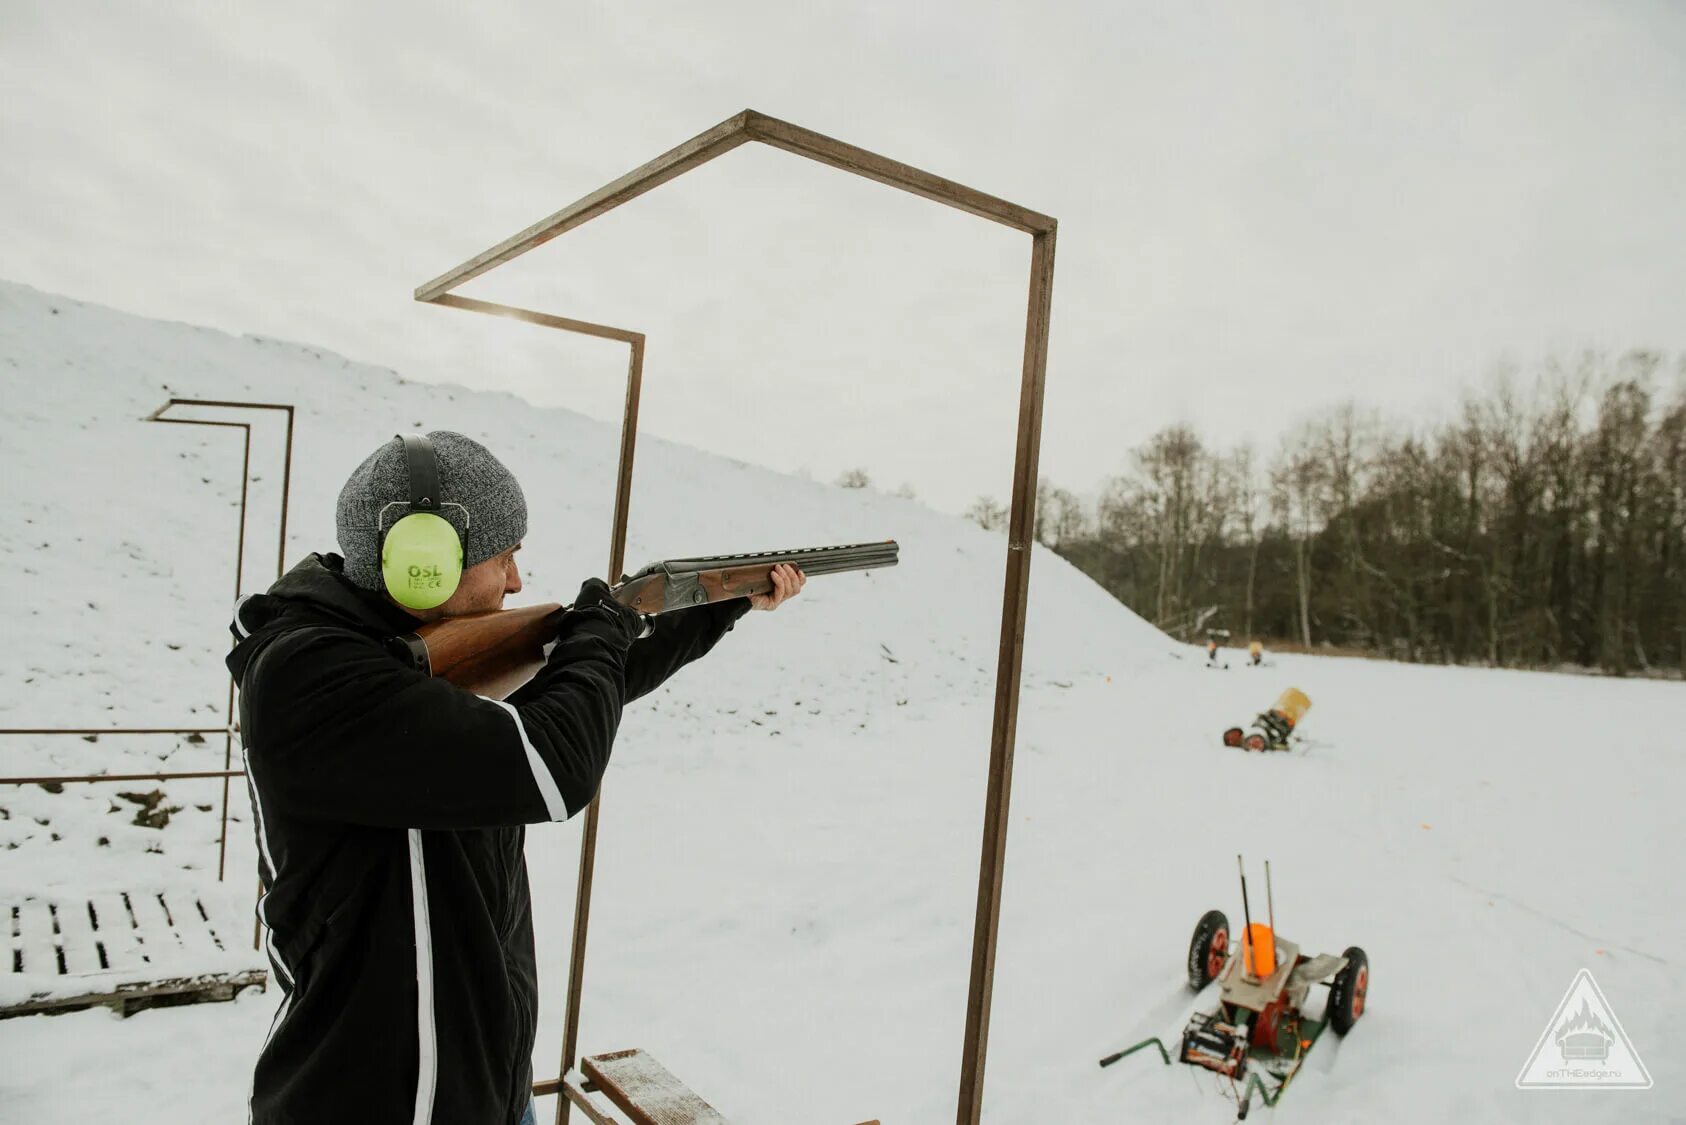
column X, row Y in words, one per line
column 127, row 949
column 639, row 1090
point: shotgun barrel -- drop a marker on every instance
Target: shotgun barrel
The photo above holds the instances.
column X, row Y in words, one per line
column 812, row 560
column 677, row 583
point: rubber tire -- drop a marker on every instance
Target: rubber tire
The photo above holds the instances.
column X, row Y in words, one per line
column 1342, row 1014
column 1200, row 947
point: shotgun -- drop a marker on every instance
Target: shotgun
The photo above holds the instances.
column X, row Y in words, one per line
column 492, row 654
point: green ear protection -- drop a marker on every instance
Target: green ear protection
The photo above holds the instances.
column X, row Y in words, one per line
column 421, row 556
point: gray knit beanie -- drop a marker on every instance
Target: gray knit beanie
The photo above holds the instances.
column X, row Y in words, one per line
column 478, row 496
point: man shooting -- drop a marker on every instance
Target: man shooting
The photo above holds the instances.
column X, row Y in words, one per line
column 390, row 806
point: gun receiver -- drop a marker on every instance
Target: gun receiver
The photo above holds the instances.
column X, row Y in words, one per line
column 492, row 654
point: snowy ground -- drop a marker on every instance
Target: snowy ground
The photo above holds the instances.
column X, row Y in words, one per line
column 787, row 867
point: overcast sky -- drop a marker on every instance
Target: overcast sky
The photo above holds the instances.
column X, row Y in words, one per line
column 1264, row 208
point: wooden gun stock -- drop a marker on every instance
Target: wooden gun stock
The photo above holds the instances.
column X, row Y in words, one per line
column 493, row 654
column 490, row 654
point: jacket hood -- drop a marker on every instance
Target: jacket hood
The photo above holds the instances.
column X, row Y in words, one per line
column 315, row 592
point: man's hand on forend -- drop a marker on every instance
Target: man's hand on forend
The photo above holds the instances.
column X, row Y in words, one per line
column 787, row 583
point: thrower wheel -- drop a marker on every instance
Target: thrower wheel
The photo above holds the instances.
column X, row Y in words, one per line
column 1268, row 1023
column 1233, row 736
column 1207, row 949
column 1255, row 741
column 1348, row 992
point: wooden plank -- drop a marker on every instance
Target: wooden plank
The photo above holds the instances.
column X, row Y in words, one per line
column 58, row 941
column 582, row 1099
column 191, row 923
column 11, row 918
column 645, row 1090
column 134, row 997
column 80, row 953
column 214, row 930
column 117, row 930
column 157, row 925
column 577, row 1094
column 40, row 951
column 181, row 909
column 111, row 930
column 150, row 934
column 146, row 943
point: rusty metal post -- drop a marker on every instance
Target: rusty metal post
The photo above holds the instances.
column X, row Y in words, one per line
column 112, row 730
column 286, row 461
column 73, row 778
column 239, row 569
column 588, row 838
column 240, row 550
column 617, row 562
column 63, row 778
column 1021, row 536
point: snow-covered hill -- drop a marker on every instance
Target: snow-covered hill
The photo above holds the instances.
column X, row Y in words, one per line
column 787, row 866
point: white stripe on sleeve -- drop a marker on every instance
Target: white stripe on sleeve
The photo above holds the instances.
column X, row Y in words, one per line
column 239, row 624
column 553, row 802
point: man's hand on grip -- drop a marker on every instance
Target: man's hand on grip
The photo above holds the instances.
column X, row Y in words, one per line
column 597, row 599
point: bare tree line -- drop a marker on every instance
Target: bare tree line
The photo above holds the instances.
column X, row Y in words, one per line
column 1544, row 524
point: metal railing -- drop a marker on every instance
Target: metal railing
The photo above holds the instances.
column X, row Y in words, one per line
column 230, row 727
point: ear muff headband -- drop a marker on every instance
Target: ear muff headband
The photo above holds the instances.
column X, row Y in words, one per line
column 422, row 468
column 421, row 556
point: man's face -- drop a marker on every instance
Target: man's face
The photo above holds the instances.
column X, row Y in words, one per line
column 483, row 587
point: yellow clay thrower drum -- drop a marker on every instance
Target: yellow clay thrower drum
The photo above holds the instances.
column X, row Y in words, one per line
column 1292, row 705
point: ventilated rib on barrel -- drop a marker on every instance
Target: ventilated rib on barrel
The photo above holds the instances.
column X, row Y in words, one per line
column 678, row 583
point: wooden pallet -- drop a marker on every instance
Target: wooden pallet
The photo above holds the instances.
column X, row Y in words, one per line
column 640, row 1090
column 127, row 949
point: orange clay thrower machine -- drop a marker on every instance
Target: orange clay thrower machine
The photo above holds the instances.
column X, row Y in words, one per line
column 1272, row 729
column 1260, row 1032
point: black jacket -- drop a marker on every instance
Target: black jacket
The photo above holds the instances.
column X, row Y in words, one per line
column 389, row 810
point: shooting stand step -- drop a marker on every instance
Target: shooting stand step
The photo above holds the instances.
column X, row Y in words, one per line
column 640, row 1088
column 127, row 949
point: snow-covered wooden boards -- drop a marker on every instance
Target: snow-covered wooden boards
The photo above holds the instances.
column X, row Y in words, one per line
column 642, row 1091
column 129, row 949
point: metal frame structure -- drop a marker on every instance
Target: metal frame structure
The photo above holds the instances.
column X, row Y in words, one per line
column 227, row 730
column 729, row 134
